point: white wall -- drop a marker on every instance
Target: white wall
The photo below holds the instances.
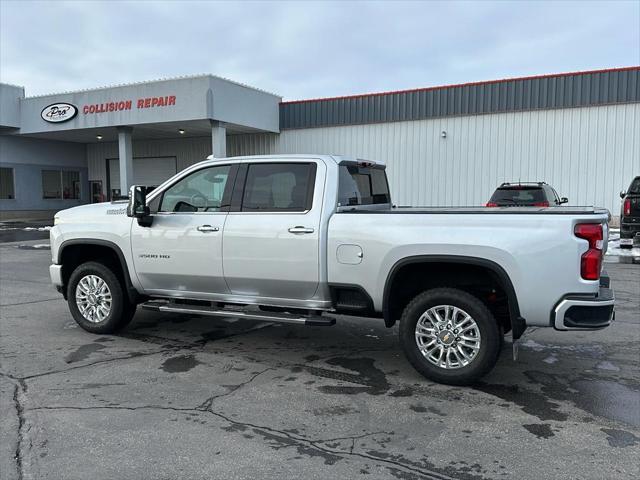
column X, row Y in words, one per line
column 187, row 151
column 588, row 154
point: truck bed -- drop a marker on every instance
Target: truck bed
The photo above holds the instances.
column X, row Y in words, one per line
column 479, row 210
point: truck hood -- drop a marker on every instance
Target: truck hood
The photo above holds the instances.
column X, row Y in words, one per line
column 93, row 210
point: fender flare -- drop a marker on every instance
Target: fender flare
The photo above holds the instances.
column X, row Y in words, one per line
column 132, row 292
column 518, row 324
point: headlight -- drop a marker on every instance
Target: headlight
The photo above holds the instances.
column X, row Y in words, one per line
column 56, row 220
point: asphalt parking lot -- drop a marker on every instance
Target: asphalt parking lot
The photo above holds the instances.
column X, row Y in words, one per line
column 182, row 397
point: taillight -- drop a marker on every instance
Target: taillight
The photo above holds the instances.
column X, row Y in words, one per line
column 591, row 261
column 541, row 204
column 627, row 207
column 491, row 204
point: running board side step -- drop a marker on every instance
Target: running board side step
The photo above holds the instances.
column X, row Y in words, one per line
column 244, row 313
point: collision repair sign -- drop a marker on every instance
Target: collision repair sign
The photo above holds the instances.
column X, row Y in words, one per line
column 116, row 106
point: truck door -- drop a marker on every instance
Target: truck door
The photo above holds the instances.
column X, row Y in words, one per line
column 182, row 250
column 271, row 236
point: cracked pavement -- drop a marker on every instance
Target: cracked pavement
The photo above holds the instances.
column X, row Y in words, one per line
column 176, row 396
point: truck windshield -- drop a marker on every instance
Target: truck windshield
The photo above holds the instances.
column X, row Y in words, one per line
column 362, row 186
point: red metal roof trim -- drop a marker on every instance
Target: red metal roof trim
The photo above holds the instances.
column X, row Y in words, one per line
column 459, row 85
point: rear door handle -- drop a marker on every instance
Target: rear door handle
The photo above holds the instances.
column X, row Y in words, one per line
column 299, row 229
column 207, row 228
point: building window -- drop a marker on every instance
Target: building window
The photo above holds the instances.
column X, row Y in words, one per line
column 7, row 191
column 60, row 184
column 71, row 185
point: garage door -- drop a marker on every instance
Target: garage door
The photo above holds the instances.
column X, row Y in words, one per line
column 147, row 171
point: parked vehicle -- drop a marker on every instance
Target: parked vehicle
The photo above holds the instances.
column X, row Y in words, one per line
column 525, row 194
column 630, row 215
column 296, row 238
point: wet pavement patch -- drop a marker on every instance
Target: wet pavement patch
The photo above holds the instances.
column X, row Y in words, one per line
column 424, row 468
column 403, row 392
column 179, row 364
column 231, row 329
column 530, row 402
column 279, row 441
column 84, row 351
column 612, row 400
column 337, row 410
column 620, row 438
column 540, row 430
column 374, row 380
column 604, row 398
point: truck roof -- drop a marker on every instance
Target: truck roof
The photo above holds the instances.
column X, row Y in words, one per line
column 334, row 158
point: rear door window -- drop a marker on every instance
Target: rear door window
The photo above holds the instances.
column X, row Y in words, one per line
column 362, row 186
column 279, row 187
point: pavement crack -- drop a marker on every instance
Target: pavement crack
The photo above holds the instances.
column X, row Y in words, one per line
column 19, row 393
column 117, row 407
column 271, row 432
column 28, row 303
column 352, row 437
column 206, row 405
column 314, row 444
column 98, row 362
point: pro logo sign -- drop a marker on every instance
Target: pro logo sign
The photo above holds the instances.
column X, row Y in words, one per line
column 58, row 112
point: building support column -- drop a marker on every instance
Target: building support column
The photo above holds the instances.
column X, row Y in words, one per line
column 218, row 140
column 125, row 156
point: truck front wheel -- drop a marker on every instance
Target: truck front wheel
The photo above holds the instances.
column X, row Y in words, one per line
column 449, row 336
column 97, row 299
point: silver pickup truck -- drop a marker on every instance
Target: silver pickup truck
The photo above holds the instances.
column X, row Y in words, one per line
column 299, row 238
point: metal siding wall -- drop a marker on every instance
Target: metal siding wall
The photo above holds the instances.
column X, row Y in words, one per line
column 559, row 91
column 588, row 154
column 186, row 150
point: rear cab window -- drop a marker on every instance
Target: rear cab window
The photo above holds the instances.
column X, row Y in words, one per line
column 518, row 195
column 362, row 185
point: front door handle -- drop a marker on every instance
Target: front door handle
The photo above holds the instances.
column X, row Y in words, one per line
column 207, row 228
column 298, row 229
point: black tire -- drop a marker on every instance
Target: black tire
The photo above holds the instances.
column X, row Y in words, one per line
column 490, row 336
column 121, row 310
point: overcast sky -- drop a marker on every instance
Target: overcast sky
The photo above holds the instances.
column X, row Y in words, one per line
column 305, row 49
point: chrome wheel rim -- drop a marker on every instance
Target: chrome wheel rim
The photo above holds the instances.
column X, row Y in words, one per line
column 448, row 337
column 93, row 298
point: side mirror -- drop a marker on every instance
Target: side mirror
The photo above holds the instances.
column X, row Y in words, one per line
column 564, row 200
column 623, row 194
column 137, row 206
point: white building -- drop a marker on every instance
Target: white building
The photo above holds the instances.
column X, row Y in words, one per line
column 449, row 145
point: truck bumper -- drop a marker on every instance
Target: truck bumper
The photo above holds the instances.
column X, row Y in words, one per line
column 55, row 272
column 585, row 313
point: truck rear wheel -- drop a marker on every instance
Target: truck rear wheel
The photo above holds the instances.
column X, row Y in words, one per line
column 449, row 336
column 97, row 299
